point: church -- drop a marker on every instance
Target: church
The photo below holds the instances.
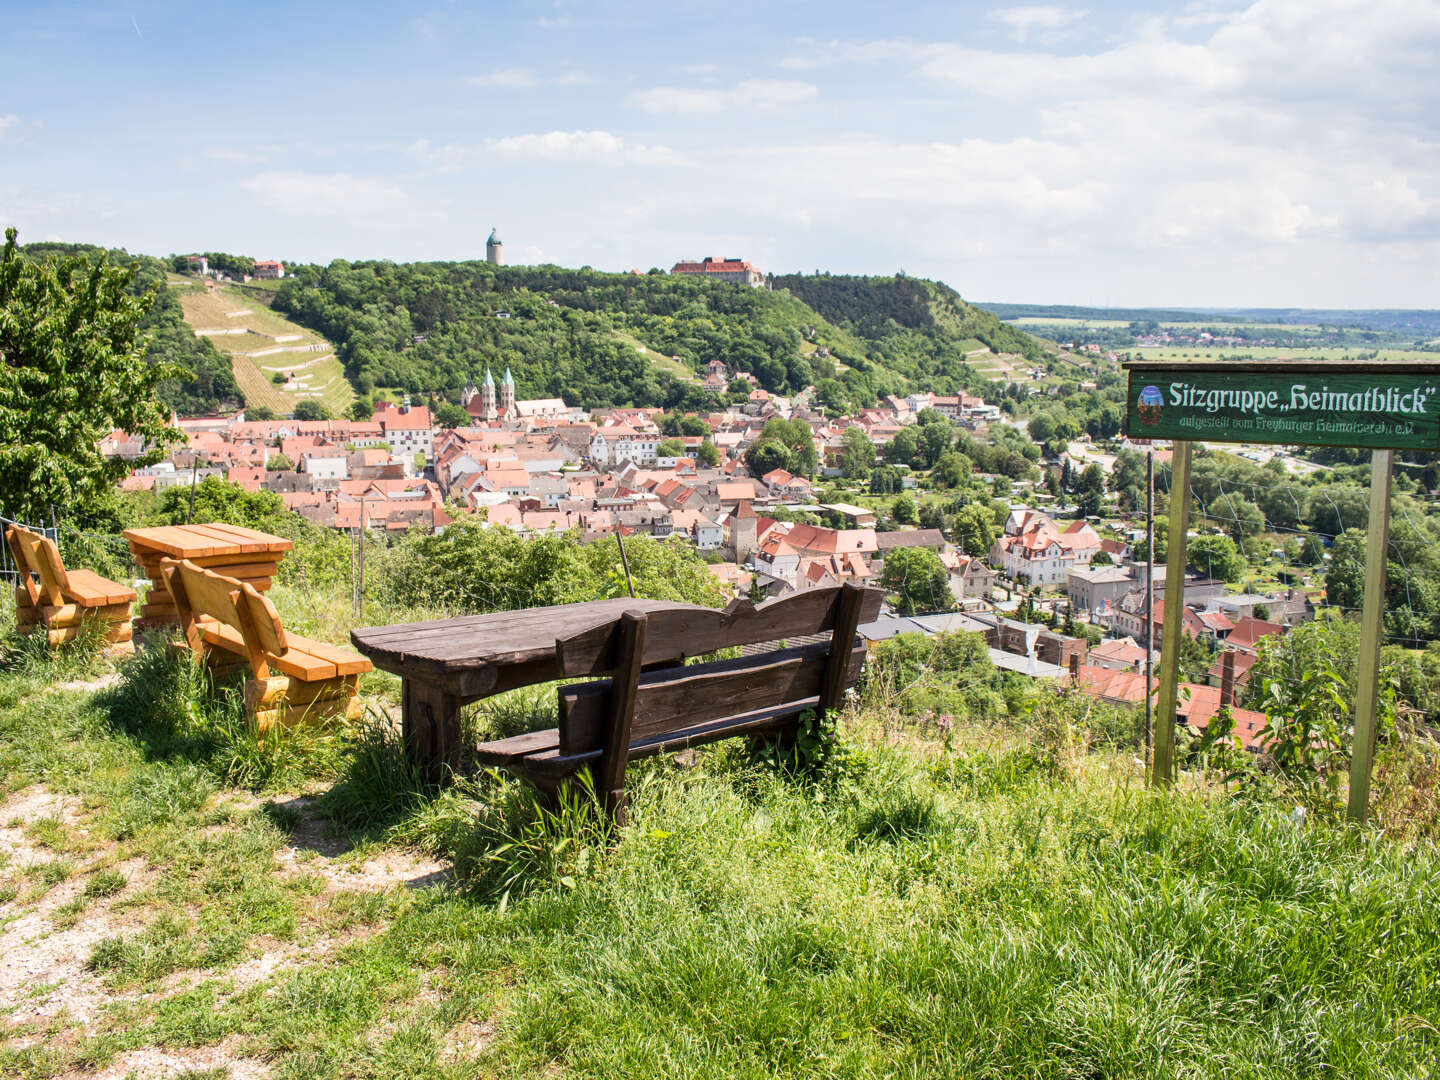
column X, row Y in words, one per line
column 485, row 406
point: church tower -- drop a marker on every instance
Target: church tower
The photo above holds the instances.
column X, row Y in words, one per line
column 494, row 253
column 487, row 397
column 507, row 395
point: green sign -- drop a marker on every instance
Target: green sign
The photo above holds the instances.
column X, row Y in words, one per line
column 1373, row 408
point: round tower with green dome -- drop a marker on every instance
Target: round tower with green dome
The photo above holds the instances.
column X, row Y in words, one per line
column 494, row 250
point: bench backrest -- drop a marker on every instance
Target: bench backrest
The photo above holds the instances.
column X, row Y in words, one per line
column 38, row 555
column 199, row 592
column 639, row 710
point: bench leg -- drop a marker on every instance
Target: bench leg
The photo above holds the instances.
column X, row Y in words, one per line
column 430, row 720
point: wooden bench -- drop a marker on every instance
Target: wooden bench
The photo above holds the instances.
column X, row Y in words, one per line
column 651, row 703
column 47, row 595
column 292, row 679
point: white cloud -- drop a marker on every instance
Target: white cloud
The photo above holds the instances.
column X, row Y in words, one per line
column 8, row 121
column 235, row 155
column 1022, row 20
column 507, row 78
column 327, row 193
column 579, row 146
column 555, row 22
column 749, row 94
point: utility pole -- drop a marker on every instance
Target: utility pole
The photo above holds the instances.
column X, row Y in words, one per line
column 1149, row 597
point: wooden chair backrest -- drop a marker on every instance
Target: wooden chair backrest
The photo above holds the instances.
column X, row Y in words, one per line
column 713, row 700
column 38, row 554
column 198, row 592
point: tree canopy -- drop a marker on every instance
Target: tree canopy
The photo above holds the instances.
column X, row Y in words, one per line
column 72, row 369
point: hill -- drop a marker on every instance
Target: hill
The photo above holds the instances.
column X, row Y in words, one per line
column 262, row 344
column 601, row 339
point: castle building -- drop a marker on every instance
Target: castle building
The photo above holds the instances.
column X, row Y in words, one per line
column 494, row 253
column 735, row 271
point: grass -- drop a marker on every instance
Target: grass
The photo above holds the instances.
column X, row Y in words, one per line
column 320, row 376
column 998, row 903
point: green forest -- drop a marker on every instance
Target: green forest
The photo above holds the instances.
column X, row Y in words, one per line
column 213, row 387
column 428, row 327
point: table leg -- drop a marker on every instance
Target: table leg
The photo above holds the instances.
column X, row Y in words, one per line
column 430, row 721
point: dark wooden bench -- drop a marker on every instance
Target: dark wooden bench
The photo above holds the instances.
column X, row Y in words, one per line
column 652, row 702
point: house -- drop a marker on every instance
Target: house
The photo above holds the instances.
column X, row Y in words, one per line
column 1030, row 639
column 407, row 429
column 969, row 577
column 1098, row 588
column 267, row 269
column 777, row 559
column 1249, row 632
column 1118, row 654
column 1044, row 555
column 930, row 539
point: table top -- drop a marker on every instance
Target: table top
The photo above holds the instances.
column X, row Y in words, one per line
column 200, row 541
column 500, row 639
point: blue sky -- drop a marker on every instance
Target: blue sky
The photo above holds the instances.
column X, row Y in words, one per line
column 1283, row 152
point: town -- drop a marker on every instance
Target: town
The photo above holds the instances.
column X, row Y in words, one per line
column 538, row 466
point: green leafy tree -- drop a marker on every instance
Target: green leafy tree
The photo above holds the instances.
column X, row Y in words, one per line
column 218, row 500
column 310, row 409
column 918, row 580
column 903, row 447
column 450, row 415
column 1090, row 491
column 886, row 480
column 279, row 463
column 1215, row 556
column 1237, row 515
column 72, row 369
column 951, row 470
column 904, row 511
column 670, row 448
column 264, row 412
column 708, row 455
column 975, row 530
column 857, row 455
column 766, row 455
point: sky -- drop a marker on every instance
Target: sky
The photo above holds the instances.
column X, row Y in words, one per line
column 1275, row 153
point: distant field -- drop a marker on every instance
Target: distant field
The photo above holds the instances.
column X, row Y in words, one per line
column 1190, row 352
column 1058, row 323
column 316, row 373
column 658, row 360
column 1062, row 323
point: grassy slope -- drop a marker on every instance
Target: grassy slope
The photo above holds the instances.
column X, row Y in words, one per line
column 936, row 910
column 319, row 375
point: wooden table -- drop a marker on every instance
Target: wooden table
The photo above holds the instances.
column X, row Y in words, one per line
column 232, row 550
column 449, row 662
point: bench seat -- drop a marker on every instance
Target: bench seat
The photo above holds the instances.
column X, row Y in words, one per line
column 61, row 601
column 293, row 679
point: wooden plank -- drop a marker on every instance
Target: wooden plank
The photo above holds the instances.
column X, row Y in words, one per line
column 250, row 537
column 430, row 722
column 345, row 661
column 230, row 538
column 1377, row 547
column 686, row 697
column 231, row 563
column 24, row 587
column 314, row 712
column 517, row 747
column 91, row 590
column 264, row 621
column 543, row 760
column 120, row 632
column 624, row 693
column 532, row 623
column 850, row 609
column 173, row 540
column 69, row 614
column 266, row 693
column 44, row 561
column 690, row 630
column 1163, row 770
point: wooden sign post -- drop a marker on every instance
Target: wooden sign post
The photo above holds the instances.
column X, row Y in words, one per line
column 1381, row 405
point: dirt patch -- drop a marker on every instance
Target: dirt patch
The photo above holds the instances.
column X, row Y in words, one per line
column 145, row 1064
column 91, row 686
column 309, row 836
column 42, row 965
